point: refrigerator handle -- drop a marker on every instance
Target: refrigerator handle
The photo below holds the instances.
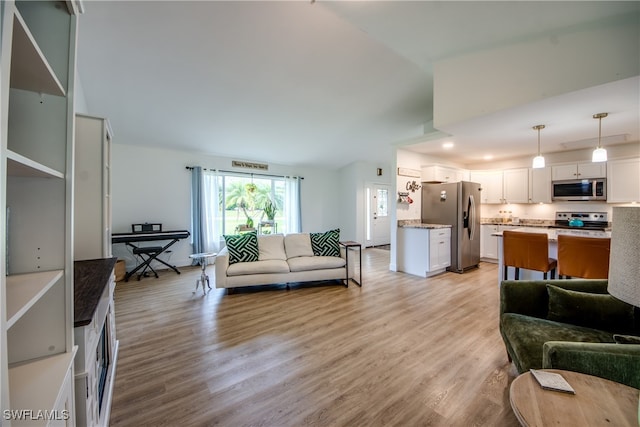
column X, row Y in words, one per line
column 472, row 217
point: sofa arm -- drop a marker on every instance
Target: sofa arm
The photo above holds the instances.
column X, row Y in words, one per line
column 615, row 362
column 222, row 263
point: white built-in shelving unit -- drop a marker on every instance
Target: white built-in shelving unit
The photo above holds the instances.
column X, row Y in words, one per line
column 36, row 282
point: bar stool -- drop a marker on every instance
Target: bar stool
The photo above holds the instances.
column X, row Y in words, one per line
column 583, row 257
column 529, row 251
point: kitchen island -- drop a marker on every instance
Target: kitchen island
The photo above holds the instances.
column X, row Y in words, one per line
column 552, row 233
column 423, row 249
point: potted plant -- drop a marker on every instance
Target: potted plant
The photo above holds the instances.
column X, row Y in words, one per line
column 269, row 210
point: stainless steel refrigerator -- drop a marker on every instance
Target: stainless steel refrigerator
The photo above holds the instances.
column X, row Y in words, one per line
column 456, row 204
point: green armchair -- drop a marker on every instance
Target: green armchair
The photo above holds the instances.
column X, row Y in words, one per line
column 573, row 325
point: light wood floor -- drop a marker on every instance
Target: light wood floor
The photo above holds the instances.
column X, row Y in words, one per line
column 400, row 351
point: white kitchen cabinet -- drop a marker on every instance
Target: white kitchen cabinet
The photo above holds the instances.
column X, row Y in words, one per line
column 490, row 183
column 488, row 243
column 579, row 171
column 423, row 252
column 516, row 185
column 439, row 173
column 36, row 212
column 623, row 181
column 439, row 249
column 540, row 185
column 92, row 197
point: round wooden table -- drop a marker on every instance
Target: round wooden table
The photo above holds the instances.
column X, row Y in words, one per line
column 597, row 402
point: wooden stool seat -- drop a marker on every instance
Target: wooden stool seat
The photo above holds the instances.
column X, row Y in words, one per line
column 583, row 257
column 529, row 251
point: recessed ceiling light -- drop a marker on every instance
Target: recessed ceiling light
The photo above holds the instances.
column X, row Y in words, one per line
column 447, row 145
column 488, row 157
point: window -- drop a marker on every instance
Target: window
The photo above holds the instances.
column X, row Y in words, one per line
column 251, row 203
column 231, row 203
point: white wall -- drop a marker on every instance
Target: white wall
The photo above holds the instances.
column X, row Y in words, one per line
column 354, row 179
column 153, row 185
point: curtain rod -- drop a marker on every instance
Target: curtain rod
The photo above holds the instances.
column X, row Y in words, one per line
column 246, row 173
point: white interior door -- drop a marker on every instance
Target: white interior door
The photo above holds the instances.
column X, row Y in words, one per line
column 378, row 226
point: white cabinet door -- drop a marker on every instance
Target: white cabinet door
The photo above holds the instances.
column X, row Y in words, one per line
column 437, row 173
column 491, row 185
column 488, row 243
column 439, row 249
column 592, row 170
column 516, row 185
column 540, row 185
column 562, row 172
column 623, row 181
column 579, row 171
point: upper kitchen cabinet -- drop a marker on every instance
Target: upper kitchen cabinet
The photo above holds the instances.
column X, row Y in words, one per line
column 623, row 181
column 579, row 171
column 508, row 186
column 516, row 185
column 439, row 173
column 540, row 185
column 490, row 183
column 36, row 214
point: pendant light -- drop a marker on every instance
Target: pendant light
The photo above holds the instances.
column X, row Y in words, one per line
column 599, row 154
column 538, row 161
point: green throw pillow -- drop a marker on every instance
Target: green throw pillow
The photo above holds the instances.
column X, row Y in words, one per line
column 626, row 339
column 598, row 311
column 326, row 244
column 242, row 247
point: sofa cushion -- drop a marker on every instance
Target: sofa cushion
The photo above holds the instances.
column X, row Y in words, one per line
column 258, row 267
column 271, row 246
column 601, row 311
column 297, row 245
column 525, row 336
column 242, row 247
column 315, row 263
column 326, row 244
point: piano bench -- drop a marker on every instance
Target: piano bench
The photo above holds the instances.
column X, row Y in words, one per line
column 148, row 250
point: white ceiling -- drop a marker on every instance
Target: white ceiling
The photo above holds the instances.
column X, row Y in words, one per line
column 326, row 83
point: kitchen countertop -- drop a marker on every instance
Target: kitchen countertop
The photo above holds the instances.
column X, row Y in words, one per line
column 530, row 223
column 545, row 223
column 416, row 223
column 90, row 279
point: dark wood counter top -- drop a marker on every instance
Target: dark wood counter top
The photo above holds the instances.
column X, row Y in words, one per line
column 90, row 277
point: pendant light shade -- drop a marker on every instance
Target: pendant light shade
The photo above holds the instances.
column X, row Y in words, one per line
column 538, row 161
column 599, row 154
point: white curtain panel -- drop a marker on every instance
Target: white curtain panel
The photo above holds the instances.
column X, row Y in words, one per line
column 211, row 227
column 292, row 214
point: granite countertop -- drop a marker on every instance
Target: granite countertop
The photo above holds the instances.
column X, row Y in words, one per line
column 416, row 223
column 529, row 223
column 544, row 223
column 90, row 278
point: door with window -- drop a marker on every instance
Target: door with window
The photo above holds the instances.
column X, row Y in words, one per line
column 378, row 222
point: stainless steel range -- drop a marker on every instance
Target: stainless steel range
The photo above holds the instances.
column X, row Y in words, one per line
column 597, row 221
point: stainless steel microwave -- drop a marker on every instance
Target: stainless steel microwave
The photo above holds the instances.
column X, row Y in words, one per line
column 579, row 190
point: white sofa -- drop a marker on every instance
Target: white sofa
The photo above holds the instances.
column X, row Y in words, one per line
column 282, row 259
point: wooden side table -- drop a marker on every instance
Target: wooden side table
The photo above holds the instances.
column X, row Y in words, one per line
column 353, row 245
column 597, row 402
column 202, row 259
